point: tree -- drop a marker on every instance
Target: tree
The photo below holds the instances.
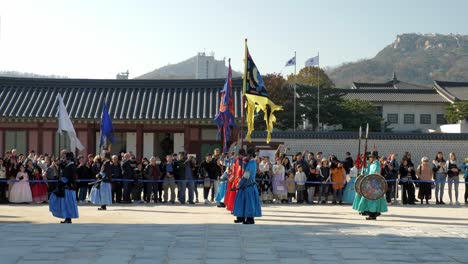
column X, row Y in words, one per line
column 330, row 102
column 457, row 111
column 310, row 75
column 355, row 113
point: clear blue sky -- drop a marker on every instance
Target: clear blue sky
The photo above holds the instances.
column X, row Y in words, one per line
column 97, row 39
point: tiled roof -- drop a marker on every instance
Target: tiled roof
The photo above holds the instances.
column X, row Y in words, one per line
column 396, row 85
column 126, row 99
column 454, row 91
column 393, row 95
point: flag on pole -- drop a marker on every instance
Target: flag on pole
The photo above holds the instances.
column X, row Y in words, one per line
column 225, row 117
column 314, row 61
column 257, row 97
column 291, row 62
column 65, row 124
column 107, row 130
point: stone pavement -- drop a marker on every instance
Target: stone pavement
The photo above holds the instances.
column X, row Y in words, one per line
column 205, row 234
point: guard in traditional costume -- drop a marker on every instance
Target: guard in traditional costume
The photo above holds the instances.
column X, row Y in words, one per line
column 101, row 193
column 247, row 205
column 371, row 208
column 236, row 175
column 62, row 202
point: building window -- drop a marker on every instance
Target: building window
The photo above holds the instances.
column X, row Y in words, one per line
column 379, row 111
column 425, row 119
column 441, row 119
column 392, row 119
column 16, row 140
column 408, row 119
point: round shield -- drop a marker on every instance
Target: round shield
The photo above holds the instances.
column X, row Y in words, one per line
column 373, row 187
column 357, row 184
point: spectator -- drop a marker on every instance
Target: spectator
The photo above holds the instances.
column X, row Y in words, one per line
column 453, row 173
column 425, row 173
column 300, row 179
column 21, row 192
column 180, row 177
column 168, row 170
column 152, row 173
column 85, row 175
column 117, row 185
column 209, row 173
column 338, row 177
column 323, row 175
column 348, row 163
column 407, row 175
column 291, row 186
column 440, row 170
column 279, row 184
column 127, row 176
column 3, row 184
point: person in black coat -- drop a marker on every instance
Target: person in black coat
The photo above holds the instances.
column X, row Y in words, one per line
column 127, row 174
column 407, row 176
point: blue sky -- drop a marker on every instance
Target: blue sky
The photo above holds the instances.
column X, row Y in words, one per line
column 97, row 39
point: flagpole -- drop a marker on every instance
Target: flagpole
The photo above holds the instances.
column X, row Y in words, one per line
column 318, row 92
column 295, row 81
column 244, row 87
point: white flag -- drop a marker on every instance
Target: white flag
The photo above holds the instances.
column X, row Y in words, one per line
column 291, row 62
column 65, row 124
column 314, row 61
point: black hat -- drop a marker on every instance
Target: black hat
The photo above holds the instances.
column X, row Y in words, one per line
column 242, row 152
column 69, row 155
column 107, row 155
column 251, row 152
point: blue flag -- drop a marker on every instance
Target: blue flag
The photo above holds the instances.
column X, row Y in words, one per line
column 107, row 130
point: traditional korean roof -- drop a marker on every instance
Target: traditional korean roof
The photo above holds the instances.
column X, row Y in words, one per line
column 28, row 98
column 396, row 95
column 453, row 91
column 394, row 84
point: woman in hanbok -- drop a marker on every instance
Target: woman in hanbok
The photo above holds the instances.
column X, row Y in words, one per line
column 220, row 195
column 101, row 193
column 247, row 205
column 40, row 191
column 21, row 192
column 372, row 208
column 349, row 192
column 62, row 202
column 280, row 193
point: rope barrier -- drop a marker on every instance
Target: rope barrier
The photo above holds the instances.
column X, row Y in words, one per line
column 214, row 180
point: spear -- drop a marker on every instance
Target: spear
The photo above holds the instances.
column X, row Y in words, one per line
column 364, row 165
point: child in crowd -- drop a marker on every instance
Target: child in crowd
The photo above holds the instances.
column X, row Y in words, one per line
column 291, row 186
column 39, row 190
column 300, row 179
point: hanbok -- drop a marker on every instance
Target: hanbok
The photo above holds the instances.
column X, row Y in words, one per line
column 220, row 195
column 280, row 192
column 40, row 191
column 101, row 192
column 21, row 192
column 372, row 206
column 349, row 192
column 247, row 199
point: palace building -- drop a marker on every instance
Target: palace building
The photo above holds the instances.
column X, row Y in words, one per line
column 150, row 117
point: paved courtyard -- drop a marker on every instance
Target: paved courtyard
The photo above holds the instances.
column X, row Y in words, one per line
column 206, row 234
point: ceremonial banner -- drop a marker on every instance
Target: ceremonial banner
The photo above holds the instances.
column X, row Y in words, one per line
column 257, row 97
column 225, row 119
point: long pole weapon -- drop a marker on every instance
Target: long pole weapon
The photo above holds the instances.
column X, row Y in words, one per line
column 364, row 165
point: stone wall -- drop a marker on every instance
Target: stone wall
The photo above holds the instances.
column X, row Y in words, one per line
column 339, row 143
